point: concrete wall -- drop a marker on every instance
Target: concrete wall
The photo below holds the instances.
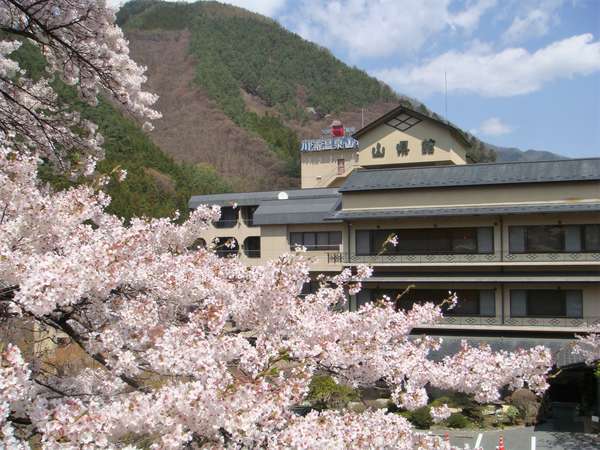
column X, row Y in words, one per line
column 275, row 241
column 472, row 196
column 320, row 169
column 448, row 149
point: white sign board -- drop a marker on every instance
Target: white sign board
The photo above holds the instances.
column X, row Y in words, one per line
column 338, row 143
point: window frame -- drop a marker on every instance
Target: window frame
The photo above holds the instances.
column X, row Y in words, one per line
column 316, row 247
column 450, row 233
column 582, row 239
column 529, row 315
column 227, row 223
column 377, row 293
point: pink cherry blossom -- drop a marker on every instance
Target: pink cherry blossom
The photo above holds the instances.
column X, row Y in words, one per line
column 182, row 346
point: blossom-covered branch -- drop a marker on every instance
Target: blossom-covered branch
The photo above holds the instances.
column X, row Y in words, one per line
column 84, row 47
column 179, row 345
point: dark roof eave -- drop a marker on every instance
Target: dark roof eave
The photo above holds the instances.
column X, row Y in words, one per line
column 457, row 132
column 474, row 211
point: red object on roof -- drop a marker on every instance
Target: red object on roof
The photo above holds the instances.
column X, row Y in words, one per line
column 337, row 128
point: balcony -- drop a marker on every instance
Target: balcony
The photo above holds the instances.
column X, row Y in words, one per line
column 473, row 258
column 528, row 322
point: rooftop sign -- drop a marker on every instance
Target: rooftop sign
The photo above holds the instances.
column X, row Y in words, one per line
column 328, row 143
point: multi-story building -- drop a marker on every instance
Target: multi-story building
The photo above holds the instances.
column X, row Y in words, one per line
column 518, row 242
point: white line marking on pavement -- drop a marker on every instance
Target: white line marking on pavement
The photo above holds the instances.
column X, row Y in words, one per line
column 478, row 441
column 532, row 442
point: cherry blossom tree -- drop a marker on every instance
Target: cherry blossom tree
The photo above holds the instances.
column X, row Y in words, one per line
column 588, row 346
column 183, row 347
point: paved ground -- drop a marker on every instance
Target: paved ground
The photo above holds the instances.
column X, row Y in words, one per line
column 526, row 438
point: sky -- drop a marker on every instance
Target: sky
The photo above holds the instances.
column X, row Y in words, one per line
column 519, row 73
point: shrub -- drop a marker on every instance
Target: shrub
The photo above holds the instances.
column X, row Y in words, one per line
column 420, row 418
column 325, row 393
column 512, row 414
column 454, row 400
column 457, row 420
column 526, row 403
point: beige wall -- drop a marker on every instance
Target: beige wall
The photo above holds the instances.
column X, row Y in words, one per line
column 275, row 241
column 473, row 196
column 448, row 149
column 320, row 169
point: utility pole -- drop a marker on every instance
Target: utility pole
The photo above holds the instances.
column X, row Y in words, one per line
column 362, row 117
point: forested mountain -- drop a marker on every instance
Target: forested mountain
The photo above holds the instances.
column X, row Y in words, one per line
column 508, row 154
column 238, row 91
column 156, row 185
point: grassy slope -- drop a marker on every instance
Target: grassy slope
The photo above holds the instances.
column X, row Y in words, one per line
column 156, row 186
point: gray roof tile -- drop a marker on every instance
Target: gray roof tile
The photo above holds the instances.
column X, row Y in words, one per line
column 473, row 175
column 279, row 212
column 256, row 198
column 465, row 211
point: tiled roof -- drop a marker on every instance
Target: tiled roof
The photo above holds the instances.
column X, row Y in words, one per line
column 473, row 175
column 279, row 212
column 544, row 208
column 256, row 198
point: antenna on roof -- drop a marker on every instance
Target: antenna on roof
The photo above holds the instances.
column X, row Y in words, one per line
column 446, row 96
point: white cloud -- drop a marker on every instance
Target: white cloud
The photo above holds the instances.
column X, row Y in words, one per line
column 512, row 71
column 493, row 127
column 265, row 7
column 534, row 20
column 376, row 28
column 470, row 16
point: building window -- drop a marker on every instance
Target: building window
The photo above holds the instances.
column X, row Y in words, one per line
column 591, row 241
column 229, row 217
column 554, row 238
column 546, row 303
column 427, row 146
column 252, row 247
column 341, row 167
column 471, row 302
column 310, row 287
column 227, row 246
column 248, row 215
column 197, row 244
column 316, row 240
column 402, row 148
column 426, row 241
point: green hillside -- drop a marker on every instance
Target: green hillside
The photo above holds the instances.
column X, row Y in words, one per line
column 237, row 50
column 156, row 185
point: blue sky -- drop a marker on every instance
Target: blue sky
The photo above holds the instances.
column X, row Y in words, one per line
column 521, row 73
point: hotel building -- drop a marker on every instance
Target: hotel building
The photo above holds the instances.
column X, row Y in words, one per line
column 518, row 242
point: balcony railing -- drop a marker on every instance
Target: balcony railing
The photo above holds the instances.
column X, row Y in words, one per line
column 558, row 322
column 551, row 257
column 337, row 257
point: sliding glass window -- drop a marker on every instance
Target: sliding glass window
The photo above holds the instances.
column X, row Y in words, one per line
column 554, row 238
column 428, row 241
column 316, row 240
column 471, row 302
column 546, row 303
